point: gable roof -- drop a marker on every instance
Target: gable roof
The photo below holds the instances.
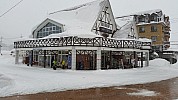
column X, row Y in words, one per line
column 127, row 28
column 79, row 20
column 42, row 24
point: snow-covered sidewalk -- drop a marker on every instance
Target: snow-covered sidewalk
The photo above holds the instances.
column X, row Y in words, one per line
column 22, row 79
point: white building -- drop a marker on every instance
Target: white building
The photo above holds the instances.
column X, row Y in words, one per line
column 85, row 38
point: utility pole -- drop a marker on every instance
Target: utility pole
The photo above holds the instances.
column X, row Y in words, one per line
column 21, row 36
column 0, row 45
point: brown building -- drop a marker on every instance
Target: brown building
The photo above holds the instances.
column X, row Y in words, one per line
column 154, row 25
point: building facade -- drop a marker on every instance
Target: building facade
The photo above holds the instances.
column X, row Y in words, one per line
column 154, row 25
column 82, row 40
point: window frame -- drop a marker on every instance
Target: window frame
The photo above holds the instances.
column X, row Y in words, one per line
column 154, row 28
column 48, row 29
column 141, row 19
column 153, row 38
column 141, row 29
column 154, row 17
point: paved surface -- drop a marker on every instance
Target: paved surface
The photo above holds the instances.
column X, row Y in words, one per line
column 164, row 90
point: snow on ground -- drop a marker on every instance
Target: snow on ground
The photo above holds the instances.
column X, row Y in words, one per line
column 140, row 92
column 22, row 79
column 143, row 92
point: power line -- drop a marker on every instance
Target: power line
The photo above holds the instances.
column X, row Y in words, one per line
column 13, row 38
column 11, row 8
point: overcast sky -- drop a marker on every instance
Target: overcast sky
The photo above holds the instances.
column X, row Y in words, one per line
column 29, row 13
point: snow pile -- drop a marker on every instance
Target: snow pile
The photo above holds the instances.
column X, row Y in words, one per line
column 175, row 65
column 158, row 62
column 22, row 79
column 143, row 92
column 4, row 52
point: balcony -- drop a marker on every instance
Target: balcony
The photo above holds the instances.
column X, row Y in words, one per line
column 167, row 34
column 105, row 30
column 166, row 44
column 167, row 24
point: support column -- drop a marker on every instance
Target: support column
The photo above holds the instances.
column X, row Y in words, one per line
column 147, row 58
column 98, row 67
column 44, row 60
column 50, row 61
column 39, row 59
column 16, row 56
column 170, row 59
column 141, row 59
column 73, row 58
column 135, row 59
column 31, row 58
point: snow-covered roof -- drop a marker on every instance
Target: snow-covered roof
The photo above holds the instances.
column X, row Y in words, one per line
column 144, row 40
column 79, row 20
column 147, row 12
column 23, row 39
column 127, row 28
column 74, row 33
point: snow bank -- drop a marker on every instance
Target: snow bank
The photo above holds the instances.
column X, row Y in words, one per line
column 175, row 65
column 22, row 79
column 160, row 63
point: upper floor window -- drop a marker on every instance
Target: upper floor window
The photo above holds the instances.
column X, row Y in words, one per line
column 154, row 38
column 141, row 19
column 105, row 24
column 48, row 29
column 154, row 17
column 154, row 28
column 141, row 29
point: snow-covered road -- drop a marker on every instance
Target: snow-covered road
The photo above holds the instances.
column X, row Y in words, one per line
column 22, row 79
